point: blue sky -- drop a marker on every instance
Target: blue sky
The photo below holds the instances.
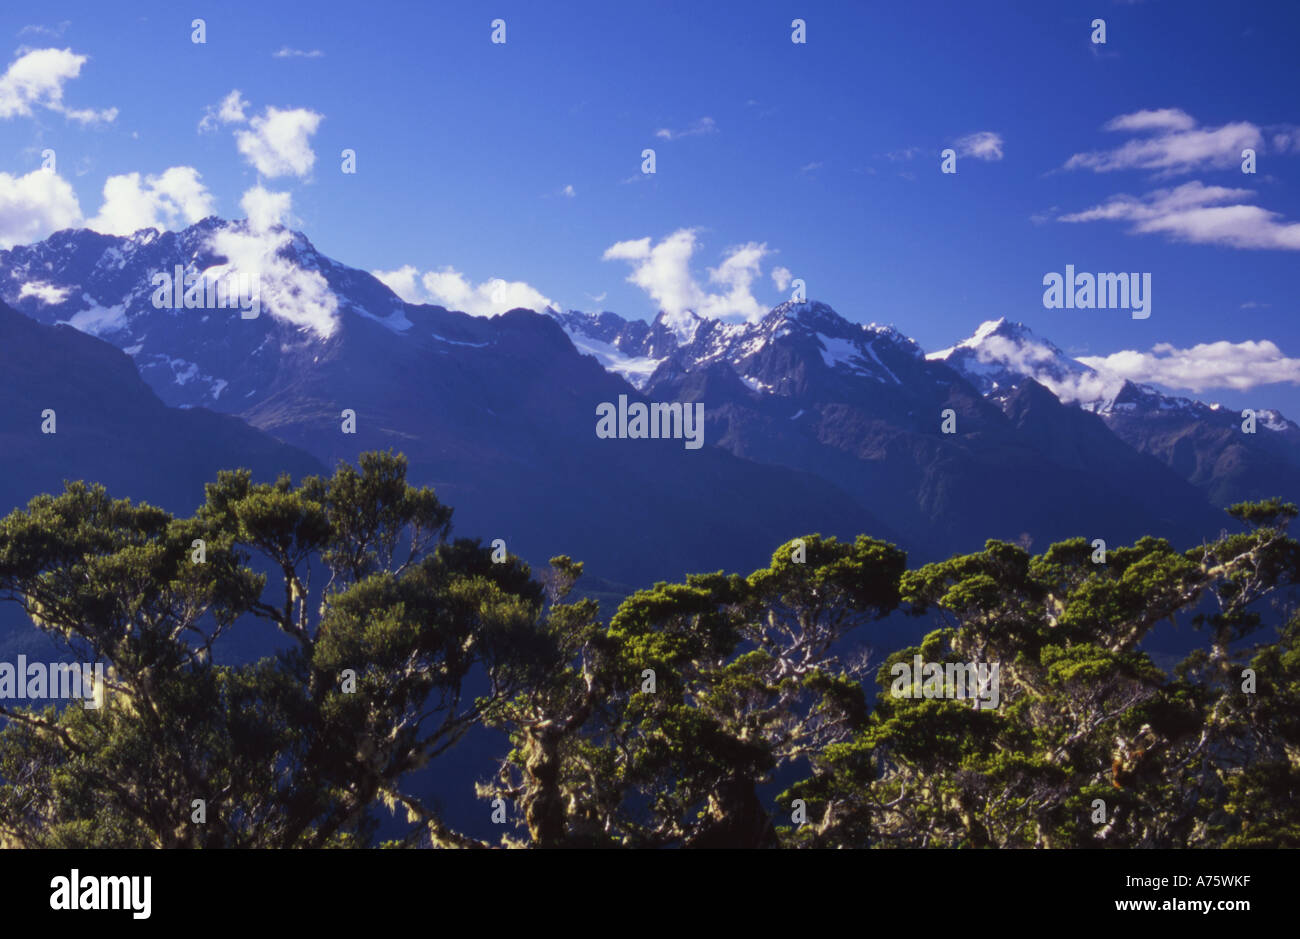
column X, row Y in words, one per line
column 522, row 161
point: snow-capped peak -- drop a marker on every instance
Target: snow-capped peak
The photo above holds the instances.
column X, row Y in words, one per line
column 1000, row 328
column 635, row 350
column 1002, row 354
column 683, row 325
column 808, row 313
column 986, row 329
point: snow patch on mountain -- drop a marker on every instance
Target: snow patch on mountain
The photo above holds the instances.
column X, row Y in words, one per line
column 849, row 353
column 457, row 342
column 183, row 373
column 635, row 369
column 838, row 352
column 870, row 348
column 396, row 320
column 113, row 258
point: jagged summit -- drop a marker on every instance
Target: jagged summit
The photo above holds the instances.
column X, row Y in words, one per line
column 809, row 332
column 1000, row 354
column 286, row 296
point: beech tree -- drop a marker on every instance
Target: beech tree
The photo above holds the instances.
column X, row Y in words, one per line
column 294, row 750
column 1092, row 744
column 662, row 729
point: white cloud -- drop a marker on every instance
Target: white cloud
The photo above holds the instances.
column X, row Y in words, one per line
column 284, row 52
column 983, row 145
column 53, row 31
column 1173, row 144
column 288, row 292
column 176, row 197
column 1156, row 119
column 229, row 111
column 637, row 249
column 98, row 321
column 232, row 108
column 277, row 142
column 705, row 125
column 1042, row 363
column 1199, row 214
column 36, row 79
column 1284, row 139
column 1086, row 386
column 34, row 206
column 45, row 293
column 264, row 209
column 663, row 271
column 568, row 191
column 405, row 282
column 907, row 153
column 451, row 289
column 1239, row 366
column 90, row 115
column 737, row 273
column 781, row 277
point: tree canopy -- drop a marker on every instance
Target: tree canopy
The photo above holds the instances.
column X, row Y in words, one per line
column 724, row 710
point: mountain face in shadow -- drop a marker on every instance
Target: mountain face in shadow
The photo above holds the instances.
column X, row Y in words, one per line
column 499, row 414
column 109, row 427
column 864, row 407
column 1208, row 445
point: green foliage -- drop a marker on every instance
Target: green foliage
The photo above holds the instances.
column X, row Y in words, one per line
column 1084, row 715
column 726, row 710
column 279, row 751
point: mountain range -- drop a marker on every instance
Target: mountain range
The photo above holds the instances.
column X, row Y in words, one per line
column 814, row 422
column 1203, row 443
column 1033, row 459
column 497, row 414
